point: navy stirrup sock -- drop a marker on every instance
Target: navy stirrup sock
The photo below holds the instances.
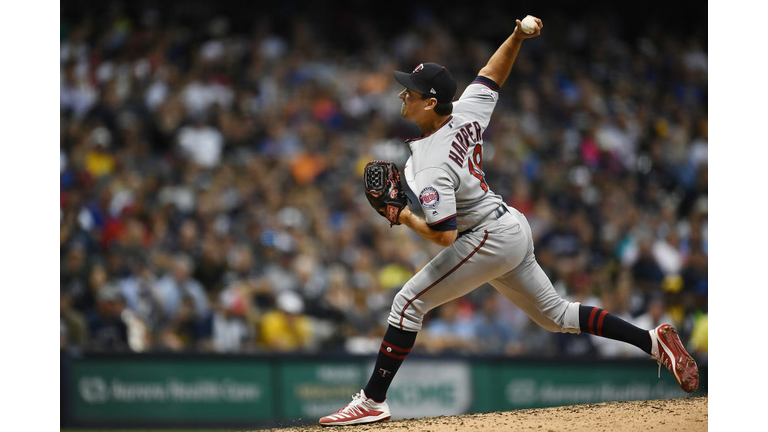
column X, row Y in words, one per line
column 394, row 348
column 600, row 323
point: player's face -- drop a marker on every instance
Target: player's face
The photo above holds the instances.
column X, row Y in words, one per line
column 412, row 103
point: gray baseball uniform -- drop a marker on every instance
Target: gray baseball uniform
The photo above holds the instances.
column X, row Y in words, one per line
column 494, row 243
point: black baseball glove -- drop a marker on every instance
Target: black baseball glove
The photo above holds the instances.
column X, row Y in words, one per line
column 383, row 189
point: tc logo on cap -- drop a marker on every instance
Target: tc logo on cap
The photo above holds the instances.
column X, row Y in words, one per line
column 419, row 68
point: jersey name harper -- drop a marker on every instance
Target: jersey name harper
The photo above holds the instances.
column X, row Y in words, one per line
column 445, row 169
column 470, row 134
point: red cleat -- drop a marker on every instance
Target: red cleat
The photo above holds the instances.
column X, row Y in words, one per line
column 667, row 349
column 362, row 410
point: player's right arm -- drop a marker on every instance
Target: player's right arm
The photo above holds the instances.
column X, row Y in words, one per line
column 500, row 63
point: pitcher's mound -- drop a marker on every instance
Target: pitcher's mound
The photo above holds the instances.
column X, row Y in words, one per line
column 680, row 415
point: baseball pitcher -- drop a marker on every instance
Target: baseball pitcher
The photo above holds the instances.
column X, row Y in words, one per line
column 485, row 240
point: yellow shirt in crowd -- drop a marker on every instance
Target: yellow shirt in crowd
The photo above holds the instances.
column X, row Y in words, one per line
column 285, row 332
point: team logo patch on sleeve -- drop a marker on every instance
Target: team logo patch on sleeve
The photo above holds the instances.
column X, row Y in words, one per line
column 429, row 198
column 494, row 95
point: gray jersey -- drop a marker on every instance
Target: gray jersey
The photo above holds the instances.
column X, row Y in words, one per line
column 445, row 172
column 445, row 169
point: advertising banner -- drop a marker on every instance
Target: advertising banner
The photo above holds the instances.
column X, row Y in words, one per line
column 115, row 391
column 314, row 389
column 431, row 388
column 165, row 391
column 518, row 385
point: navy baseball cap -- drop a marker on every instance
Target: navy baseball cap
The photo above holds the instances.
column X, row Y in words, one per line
column 431, row 79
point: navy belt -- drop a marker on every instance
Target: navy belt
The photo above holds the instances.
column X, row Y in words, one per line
column 500, row 210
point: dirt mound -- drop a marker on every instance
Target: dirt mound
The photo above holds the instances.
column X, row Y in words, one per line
column 688, row 414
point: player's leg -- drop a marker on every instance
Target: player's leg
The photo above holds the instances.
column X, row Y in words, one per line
column 529, row 288
column 471, row 261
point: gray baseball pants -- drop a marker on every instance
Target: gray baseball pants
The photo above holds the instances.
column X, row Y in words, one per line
column 499, row 251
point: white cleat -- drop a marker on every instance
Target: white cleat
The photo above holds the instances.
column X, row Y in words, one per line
column 362, row 410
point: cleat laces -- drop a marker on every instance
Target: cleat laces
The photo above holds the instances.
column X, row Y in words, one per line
column 354, row 406
column 667, row 363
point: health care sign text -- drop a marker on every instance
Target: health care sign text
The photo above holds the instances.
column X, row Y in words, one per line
column 181, row 391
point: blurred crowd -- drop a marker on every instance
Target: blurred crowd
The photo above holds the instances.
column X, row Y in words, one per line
column 211, row 196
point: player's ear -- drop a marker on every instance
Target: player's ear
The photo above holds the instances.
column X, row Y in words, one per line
column 431, row 103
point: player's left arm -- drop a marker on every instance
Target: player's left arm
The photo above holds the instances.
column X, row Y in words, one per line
column 438, row 200
column 500, row 63
column 419, row 225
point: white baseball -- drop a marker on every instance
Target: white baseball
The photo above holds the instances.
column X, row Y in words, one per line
column 528, row 25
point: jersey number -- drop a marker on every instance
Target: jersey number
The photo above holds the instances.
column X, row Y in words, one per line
column 477, row 157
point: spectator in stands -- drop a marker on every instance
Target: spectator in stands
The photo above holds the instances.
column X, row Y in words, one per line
column 142, row 297
column 74, row 277
column 73, row 327
column 451, row 330
column 494, row 335
column 699, row 342
column 286, row 328
column 210, row 265
column 358, row 317
column 177, row 286
column 231, row 330
column 186, row 331
column 107, row 330
column 655, row 313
